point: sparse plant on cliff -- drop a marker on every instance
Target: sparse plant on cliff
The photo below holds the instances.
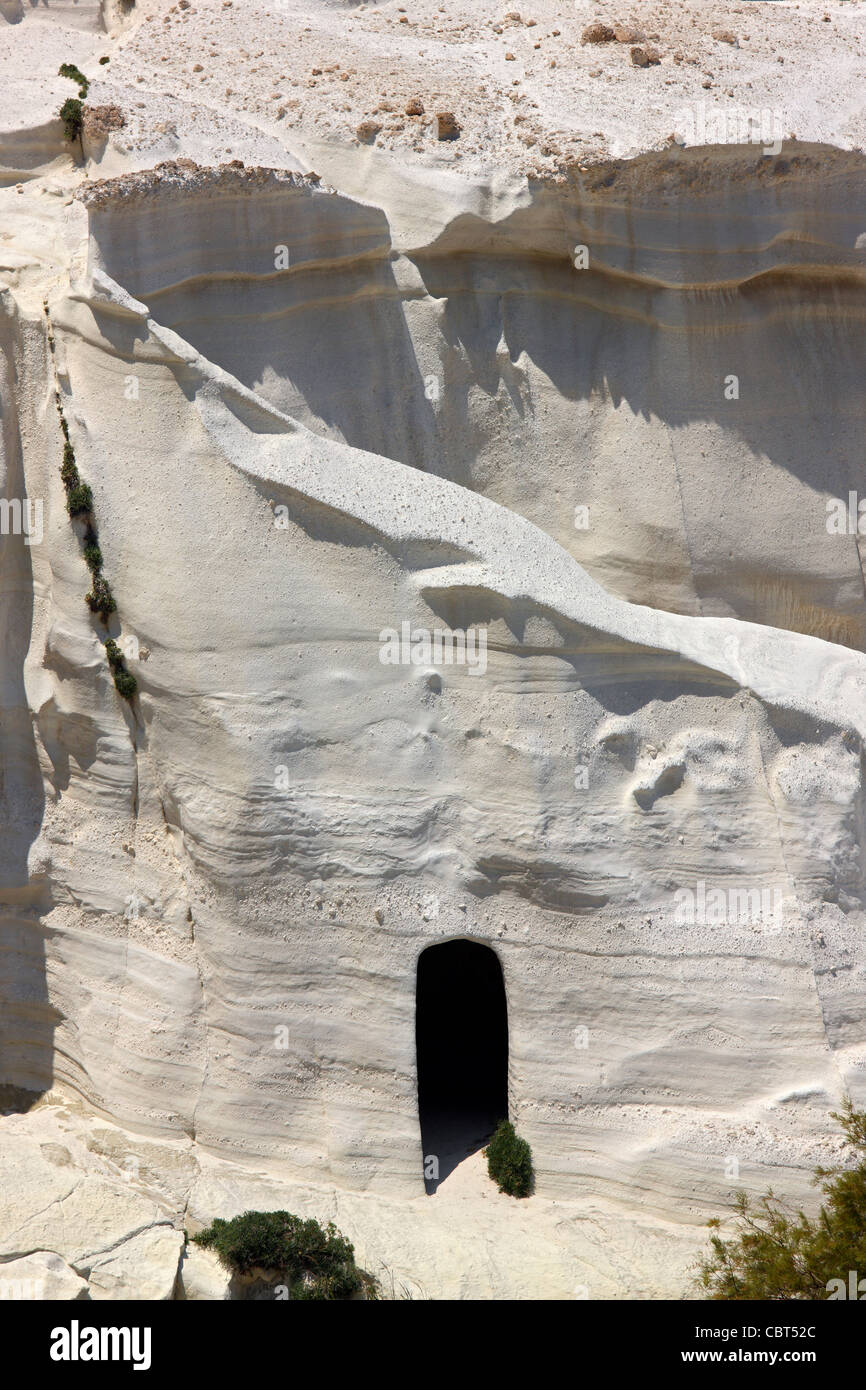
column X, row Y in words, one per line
column 68, row 468
column 72, row 110
column 79, row 501
column 114, row 654
column 93, row 556
column 100, row 599
column 75, row 75
column 509, row 1161
column 780, row 1255
column 125, row 684
column 72, row 116
column 315, row 1262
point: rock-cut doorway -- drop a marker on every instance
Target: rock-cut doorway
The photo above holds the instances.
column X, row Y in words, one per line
column 461, row 1040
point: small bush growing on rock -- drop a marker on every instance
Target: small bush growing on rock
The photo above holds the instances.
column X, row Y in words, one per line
column 100, row 599
column 69, row 469
column 72, row 116
column 316, row 1262
column 72, row 110
column 93, row 557
column 75, row 75
column 125, row 684
column 114, row 654
column 80, row 500
column 509, row 1161
column 778, row 1255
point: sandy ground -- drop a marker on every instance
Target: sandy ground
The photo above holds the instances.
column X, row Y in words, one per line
column 243, row 78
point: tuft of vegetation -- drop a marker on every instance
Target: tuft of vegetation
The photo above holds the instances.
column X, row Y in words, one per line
column 315, row 1262
column 114, row 654
column 72, row 116
column 75, row 75
column 125, row 684
column 68, row 469
column 72, row 110
column 100, row 599
column 779, row 1255
column 79, row 501
column 93, row 557
column 509, row 1161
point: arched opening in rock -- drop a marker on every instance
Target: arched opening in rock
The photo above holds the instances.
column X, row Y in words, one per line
column 461, row 1037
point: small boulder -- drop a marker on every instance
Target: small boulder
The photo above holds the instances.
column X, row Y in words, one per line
column 415, row 107
column 645, row 56
column 626, row 33
column 367, row 131
column 448, row 127
column 598, row 33
column 99, row 121
column 725, row 36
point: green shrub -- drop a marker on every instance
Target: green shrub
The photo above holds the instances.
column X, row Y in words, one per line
column 69, row 468
column 72, row 116
column 315, row 1262
column 79, row 502
column 93, row 557
column 100, row 599
column 778, row 1255
column 125, row 684
column 509, row 1161
column 114, row 654
column 75, row 75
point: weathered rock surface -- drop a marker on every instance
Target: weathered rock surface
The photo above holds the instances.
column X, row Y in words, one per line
column 202, row 1276
column 42, row 1276
column 330, row 390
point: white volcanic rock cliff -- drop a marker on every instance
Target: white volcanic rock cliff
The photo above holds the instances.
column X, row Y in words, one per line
column 323, row 392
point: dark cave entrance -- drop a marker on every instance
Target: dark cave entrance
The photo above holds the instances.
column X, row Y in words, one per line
column 461, row 1040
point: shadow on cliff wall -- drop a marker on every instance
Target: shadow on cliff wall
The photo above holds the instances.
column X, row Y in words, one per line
column 26, row 1017
column 702, row 266
column 325, row 339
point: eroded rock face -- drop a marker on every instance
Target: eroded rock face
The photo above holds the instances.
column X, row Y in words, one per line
column 329, row 431
column 622, row 361
column 74, row 1226
column 272, row 835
